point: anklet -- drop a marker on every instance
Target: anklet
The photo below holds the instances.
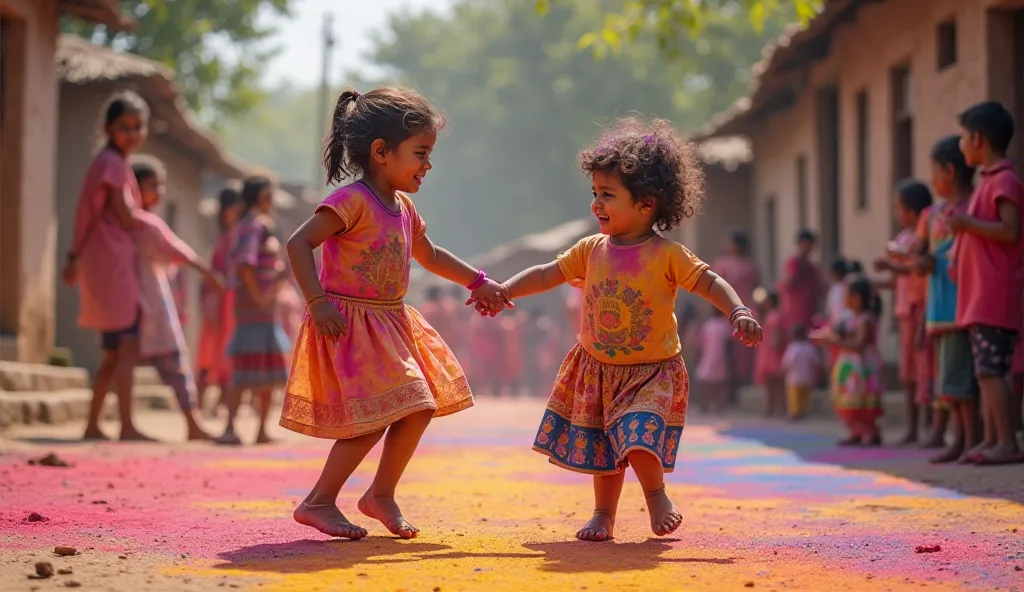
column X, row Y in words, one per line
column 605, row 512
column 654, row 492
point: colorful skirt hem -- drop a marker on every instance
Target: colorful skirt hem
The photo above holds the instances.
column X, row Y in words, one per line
column 599, row 413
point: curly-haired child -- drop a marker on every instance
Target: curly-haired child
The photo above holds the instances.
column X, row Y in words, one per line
column 621, row 394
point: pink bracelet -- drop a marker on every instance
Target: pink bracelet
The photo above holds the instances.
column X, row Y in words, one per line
column 481, row 277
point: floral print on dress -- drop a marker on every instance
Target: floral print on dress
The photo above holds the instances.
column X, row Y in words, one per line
column 619, row 320
column 384, row 268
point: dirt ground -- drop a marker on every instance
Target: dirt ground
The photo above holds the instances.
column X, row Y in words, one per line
column 768, row 506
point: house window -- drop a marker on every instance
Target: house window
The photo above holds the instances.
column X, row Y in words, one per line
column 902, row 128
column 801, row 190
column 862, row 150
column 771, row 234
column 946, row 34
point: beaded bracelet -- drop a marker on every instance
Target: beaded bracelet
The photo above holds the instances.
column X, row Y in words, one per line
column 481, row 278
column 739, row 312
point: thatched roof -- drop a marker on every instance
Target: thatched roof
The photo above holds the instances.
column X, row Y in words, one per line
column 80, row 62
column 105, row 12
column 778, row 77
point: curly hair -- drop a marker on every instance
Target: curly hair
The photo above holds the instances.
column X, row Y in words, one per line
column 653, row 161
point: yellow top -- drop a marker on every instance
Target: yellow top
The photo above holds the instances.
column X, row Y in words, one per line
column 629, row 293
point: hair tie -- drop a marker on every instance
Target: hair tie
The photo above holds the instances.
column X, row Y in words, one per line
column 355, row 95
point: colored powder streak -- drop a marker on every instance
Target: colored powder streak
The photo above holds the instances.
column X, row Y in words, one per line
column 497, row 516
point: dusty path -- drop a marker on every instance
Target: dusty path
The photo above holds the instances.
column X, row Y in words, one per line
column 767, row 506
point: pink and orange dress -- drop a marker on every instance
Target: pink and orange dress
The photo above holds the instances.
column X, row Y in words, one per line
column 388, row 363
column 624, row 386
column 212, row 359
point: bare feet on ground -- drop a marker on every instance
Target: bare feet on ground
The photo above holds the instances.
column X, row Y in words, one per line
column 93, row 433
column 328, row 519
column 385, row 510
column 969, row 456
column 664, row 517
column 133, row 435
column 599, row 529
column 1000, row 455
column 229, row 438
column 263, row 438
column 950, row 454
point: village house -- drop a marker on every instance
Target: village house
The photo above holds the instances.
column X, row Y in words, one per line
column 28, row 134
column 844, row 109
column 89, row 75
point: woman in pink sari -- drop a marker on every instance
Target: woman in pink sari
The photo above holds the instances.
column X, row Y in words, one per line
column 736, row 267
column 212, row 361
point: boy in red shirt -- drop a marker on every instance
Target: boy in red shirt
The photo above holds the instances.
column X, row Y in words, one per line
column 989, row 271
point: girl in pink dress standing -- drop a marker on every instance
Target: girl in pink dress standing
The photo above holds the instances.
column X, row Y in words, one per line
column 212, row 362
column 102, row 260
column 365, row 364
column 768, row 371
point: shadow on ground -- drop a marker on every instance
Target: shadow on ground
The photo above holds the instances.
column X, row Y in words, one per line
column 907, row 463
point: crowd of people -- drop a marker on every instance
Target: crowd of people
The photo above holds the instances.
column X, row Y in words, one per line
column 956, row 270
column 127, row 264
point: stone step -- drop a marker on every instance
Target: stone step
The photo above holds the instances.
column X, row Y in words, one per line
column 25, row 377
column 64, row 405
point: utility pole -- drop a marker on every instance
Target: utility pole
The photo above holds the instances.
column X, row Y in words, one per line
column 325, row 86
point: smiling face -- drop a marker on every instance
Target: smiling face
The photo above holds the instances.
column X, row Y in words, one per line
column 617, row 213
column 152, row 189
column 128, row 132
column 407, row 164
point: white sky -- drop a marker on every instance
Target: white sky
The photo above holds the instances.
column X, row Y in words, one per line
column 300, row 37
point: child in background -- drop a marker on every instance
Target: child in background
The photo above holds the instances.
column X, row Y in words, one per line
column 103, row 261
column 989, row 271
column 712, row 373
column 768, row 363
column 218, row 327
column 802, row 364
column 836, row 312
column 161, row 339
column 366, row 364
column 857, row 376
column 912, row 198
column 621, row 395
column 259, row 347
column 956, row 389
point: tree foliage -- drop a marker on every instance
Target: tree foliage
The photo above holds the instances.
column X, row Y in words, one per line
column 523, row 98
column 667, row 20
column 217, row 47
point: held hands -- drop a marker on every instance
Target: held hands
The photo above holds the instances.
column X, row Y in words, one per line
column 490, row 298
column 956, row 221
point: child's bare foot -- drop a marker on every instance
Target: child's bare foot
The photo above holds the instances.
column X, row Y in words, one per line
column 907, row 440
column 328, row 519
column 263, row 438
column 599, row 529
column 94, row 433
column 229, row 438
column 1000, row 455
column 385, row 510
column 664, row 517
column 936, row 441
column 197, row 434
column 849, row 441
column 134, row 435
column 972, row 453
column 948, row 455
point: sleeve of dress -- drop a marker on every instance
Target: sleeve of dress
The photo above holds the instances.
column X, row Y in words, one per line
column 348, row 203
column 1010, row 188
column 419, row 226
column 573, row 263
column 684, row 268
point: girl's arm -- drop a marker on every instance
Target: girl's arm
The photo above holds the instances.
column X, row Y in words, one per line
column 247, row 274
column 1004, row 230
column 537, row 279
column 119, row 205
column 441, row 262
column 718, row 292
column 314, row 232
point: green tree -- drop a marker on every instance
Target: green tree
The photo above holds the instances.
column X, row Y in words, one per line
column 217, row 47
column 524, row 98
column 668, row 20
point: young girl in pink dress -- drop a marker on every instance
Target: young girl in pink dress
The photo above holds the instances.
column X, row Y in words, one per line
column 365, row 363
column 768, row 371
column 621, row 394
column 713, row 369
column 212, row 362
column 737, row 268
column 103, row 263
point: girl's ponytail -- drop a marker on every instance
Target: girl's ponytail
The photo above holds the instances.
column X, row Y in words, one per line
column 334, row 158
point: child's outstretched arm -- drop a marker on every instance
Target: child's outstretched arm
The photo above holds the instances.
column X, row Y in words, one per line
column 321, row 226
column 537, row 279
column 441, row 262
column 711, row 287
